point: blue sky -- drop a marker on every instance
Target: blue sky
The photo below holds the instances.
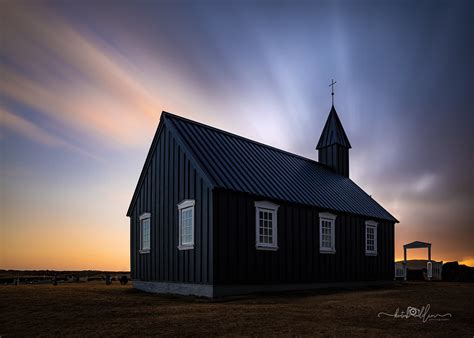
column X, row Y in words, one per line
column 83, row 84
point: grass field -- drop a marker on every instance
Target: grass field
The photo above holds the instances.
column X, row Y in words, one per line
column 94, row 308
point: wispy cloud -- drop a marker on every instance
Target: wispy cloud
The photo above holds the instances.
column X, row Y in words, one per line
column 28, row 129
column 90, row 89
column 31, row 131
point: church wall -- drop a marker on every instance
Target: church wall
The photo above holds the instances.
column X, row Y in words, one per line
column 298, row 259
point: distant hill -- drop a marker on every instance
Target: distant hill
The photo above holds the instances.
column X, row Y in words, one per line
column 454, row 272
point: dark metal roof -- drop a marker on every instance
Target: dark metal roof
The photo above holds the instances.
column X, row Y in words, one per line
column 333, row 132
column 236, row 163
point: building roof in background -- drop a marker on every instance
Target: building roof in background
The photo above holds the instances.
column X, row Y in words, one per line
column 416, row 245
column 239, row 164
column 418, row 262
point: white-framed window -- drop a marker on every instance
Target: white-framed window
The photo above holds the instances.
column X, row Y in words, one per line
column 327, row 231
column 266, row 225
column 186, row 224
column 371, row 238
column 145, row 232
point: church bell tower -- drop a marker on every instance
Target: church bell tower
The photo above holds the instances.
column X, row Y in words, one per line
column 333, row 145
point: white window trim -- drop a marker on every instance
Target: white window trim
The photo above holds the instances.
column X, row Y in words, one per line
column 142, row 217
column 185, row 204
column 273, row 208
column 326, row 216
column 374, row 225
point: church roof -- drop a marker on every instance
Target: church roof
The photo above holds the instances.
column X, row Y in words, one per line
column 239, row 164
column 333, row 132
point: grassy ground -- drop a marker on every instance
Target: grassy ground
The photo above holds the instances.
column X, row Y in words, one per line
column 94, row 308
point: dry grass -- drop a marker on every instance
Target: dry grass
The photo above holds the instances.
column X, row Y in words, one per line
column 96, row 309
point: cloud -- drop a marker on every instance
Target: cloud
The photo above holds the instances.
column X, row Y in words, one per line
column 28, row 129
column 99, row 75
column 31, row 131
column 74, row 78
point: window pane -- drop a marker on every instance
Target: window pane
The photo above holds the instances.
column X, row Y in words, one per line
column 370, row 238
column 145, row 234
column 326, row 234
column 186, row 225
column 265, row 227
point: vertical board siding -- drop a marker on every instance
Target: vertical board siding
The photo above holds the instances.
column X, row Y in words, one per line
column 335, row 156
column 297, row 260
column 170, row 178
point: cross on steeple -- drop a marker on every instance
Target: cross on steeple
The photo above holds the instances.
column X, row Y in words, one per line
column 332, row 90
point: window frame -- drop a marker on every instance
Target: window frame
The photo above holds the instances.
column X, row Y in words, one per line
column 273, row 209
column 331, row 218
column 182, row 207
column 143, row 217
column 373, row 225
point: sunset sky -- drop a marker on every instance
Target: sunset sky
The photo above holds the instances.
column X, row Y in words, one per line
column 82, row 88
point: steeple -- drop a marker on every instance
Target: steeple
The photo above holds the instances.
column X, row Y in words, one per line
column 333, row 146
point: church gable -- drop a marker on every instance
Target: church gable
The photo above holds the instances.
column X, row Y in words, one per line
column 169, row 179
column 161, row 155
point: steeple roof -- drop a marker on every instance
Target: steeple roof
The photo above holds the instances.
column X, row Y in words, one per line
column 333, row 132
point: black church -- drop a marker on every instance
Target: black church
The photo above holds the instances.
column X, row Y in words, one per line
column 216, row 214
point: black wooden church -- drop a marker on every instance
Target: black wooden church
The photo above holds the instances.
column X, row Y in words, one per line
column 216, row 214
